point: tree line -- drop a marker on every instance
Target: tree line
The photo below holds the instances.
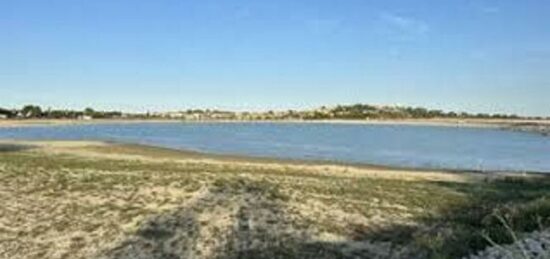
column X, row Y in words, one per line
column 37, row 112
column 342, row 112
column 365, row 111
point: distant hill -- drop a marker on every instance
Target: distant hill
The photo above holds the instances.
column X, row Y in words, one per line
column 365, row 111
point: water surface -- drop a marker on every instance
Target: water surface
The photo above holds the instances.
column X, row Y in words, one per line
column 390, row 145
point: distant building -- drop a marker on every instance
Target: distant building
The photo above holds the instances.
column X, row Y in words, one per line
column 176, row 115
column 3, row 116
column 85, row 117
column 193, row 116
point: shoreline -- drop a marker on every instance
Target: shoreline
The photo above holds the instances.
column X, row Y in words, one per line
column 428, row 122
column 328, row 163
column 112, row 201
column 541, row 127
column 165, row 152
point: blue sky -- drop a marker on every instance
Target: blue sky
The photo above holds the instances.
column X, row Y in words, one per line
column 472, row 55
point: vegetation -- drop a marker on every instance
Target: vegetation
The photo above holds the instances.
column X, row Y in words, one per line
column 342, row 112
column 362, row 111
column 6, row 113
column 32, row 111
column 114, row 201
column 36, row 112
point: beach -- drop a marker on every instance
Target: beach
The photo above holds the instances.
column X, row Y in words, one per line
column 84, row 199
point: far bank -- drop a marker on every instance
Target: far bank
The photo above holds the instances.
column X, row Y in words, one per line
column 524, row 125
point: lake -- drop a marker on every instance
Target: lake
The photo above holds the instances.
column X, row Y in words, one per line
column 428, row 147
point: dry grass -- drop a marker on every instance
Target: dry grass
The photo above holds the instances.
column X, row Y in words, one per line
column 96, row 200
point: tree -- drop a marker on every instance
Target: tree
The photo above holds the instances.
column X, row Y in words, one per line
column 89, row 111
column 6, row 112
column 31, row 111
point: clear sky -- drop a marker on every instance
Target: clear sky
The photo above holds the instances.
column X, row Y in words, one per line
column 472, row 55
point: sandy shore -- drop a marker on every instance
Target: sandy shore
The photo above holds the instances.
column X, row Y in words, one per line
column 118, row 151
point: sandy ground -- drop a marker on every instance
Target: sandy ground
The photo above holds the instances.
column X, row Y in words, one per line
column 64, row 199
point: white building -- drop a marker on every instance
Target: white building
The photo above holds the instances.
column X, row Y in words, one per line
column 85, row 117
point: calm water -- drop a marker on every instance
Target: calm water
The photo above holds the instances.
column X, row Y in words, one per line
column 393, row 145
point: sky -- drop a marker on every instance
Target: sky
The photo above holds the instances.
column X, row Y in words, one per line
column 463, row 55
